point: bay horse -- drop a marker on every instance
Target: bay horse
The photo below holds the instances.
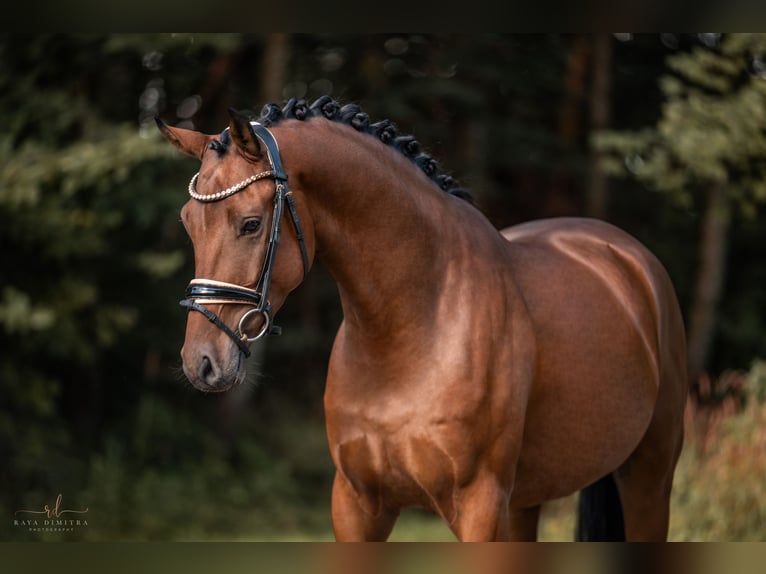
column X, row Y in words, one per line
column 476, row 373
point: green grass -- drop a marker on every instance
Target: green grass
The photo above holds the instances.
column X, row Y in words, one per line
column 556, row 524
column 418, row 526
column 414, row 525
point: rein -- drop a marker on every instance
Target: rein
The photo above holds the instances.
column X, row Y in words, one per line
column 202, row 292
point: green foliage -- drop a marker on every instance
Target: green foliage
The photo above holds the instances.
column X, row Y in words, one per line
column 719, row 494
column 73, row 197
column 175, row 479
column 712, row 127
column 755, row 381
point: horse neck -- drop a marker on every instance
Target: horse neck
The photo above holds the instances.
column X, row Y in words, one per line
column 379, row 224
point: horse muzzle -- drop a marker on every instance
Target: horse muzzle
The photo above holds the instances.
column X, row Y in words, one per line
column 209, row 370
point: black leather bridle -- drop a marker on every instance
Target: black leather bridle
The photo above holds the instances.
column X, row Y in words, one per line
column 202, row 292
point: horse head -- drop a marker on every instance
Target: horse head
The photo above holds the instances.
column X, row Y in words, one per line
column 234, row 217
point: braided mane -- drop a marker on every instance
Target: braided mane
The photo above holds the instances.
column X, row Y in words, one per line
column 352, row 115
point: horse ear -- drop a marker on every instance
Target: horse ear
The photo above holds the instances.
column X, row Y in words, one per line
column 242, row 134
column 189, row 142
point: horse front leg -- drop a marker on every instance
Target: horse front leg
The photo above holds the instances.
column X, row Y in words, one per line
column 482, row 512
column 355, row 519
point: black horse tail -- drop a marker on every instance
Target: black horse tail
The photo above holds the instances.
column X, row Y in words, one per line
column 599, row 513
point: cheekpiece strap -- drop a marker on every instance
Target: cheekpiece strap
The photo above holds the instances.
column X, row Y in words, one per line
column 272, row 150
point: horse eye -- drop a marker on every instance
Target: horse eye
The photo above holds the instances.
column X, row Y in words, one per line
column 251, row 226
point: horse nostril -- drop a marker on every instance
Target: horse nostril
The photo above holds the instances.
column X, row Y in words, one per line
column 206, row 371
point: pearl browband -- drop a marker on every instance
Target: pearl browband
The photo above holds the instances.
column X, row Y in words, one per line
column 224, row 193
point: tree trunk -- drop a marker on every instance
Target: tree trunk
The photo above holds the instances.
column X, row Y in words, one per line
column 560, row 197
column 276, row 54
column 710, row 279
column 598, row 186
column 575, row 77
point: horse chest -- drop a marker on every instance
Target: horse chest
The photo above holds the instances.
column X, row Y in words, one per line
column 409, row 436
column 403, row 467
column 400, row 452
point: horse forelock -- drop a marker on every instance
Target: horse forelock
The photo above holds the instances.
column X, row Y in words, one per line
column 221, row 145
column 352, row 115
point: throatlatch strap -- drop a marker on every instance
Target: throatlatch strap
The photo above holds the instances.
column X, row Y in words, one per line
column 298, row 231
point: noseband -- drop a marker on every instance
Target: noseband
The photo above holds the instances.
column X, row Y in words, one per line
column 202, row 292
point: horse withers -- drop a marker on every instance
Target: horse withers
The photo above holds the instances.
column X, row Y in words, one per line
column 476, row 373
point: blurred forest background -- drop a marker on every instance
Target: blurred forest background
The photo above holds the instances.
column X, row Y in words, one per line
column 661, row 134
